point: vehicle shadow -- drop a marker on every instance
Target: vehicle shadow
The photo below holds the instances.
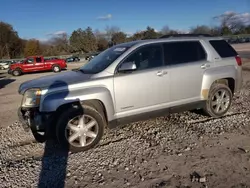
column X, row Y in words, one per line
column 5, row 81
column 55, row 158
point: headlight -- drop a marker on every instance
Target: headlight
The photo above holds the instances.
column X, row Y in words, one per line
column 31, row 98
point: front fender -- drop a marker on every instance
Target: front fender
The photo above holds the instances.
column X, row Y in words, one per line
column 51, row 102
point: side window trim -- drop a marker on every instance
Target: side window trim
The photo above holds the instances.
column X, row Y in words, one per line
column 189, row 62
column 135, row 51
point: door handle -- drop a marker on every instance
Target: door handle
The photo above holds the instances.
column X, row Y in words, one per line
column 203, row 66
column 161, row 73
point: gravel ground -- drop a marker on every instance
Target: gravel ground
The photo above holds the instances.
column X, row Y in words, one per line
column 181, row 150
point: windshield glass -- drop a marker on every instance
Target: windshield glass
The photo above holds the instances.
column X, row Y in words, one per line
column 103, row 60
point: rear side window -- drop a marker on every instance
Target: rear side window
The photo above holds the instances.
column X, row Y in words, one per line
column 38, row 59
column 183, row 52
column 223, row 48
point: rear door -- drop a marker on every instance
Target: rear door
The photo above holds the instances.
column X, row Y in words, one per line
column 39, row 64
column 187, row 61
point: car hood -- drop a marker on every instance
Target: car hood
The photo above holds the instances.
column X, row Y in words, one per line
column 61, row 79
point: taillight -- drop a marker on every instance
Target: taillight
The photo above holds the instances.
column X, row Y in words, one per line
column 238, row 60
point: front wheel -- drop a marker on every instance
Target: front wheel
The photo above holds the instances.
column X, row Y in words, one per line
column 80, row 128
column 41, row 138
column 56, row 68
column 16, row 72
column 219, row 101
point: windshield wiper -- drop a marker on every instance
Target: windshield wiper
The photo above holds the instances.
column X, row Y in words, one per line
column 76, row 69
column 85, row 71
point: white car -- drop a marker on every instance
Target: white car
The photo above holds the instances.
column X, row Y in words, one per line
column 4, row 65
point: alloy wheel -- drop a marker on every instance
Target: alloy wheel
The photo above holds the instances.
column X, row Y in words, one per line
column 220, row 101
column 81, row 131
column 56, row 69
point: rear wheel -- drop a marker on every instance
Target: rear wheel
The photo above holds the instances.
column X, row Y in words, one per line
column 219, row 100
column 80, row 128
column 16, row 72
column 56, row 68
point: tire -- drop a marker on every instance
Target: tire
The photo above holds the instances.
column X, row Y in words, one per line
column 56, row 68
column 72, row 113
column 224, row 103
column 16, row 72
column 39, row 137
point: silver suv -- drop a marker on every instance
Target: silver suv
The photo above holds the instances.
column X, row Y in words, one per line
column 131, row 82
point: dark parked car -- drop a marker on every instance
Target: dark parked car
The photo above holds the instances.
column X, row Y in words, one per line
column 92, row 56
column 72, row 59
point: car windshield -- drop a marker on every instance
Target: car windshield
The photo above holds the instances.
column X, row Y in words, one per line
column 103, row 60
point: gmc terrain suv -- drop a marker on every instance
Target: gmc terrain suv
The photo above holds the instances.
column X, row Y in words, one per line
column 131, row 82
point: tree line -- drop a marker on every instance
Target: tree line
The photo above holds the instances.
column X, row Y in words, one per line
column 87, row 40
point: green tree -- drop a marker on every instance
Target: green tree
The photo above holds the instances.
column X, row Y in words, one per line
column 165, row 30
column 32, row 48
column 150, row 33
column 225, row 30
column 61, row 43
column 10, row 43
column 90, row 42
column 110, row 31
column 247, row 29
column 83, row 40
column 119, row 37
column 138, row 36
column 102, row 44
column 201, row 29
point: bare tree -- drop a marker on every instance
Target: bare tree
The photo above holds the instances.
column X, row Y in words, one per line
column 110, row 31
column 165, row 30
column 232, row 20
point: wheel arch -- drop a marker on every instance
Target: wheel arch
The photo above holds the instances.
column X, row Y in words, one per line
column 99, row 98
column 229, row 81
column 19, row 69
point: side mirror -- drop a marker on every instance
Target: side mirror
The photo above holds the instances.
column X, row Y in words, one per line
column 127, row 66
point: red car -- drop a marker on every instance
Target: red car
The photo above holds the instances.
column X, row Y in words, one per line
column 37, row 64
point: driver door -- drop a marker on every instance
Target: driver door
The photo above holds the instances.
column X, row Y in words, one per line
column 144, row 89
column 28, row 65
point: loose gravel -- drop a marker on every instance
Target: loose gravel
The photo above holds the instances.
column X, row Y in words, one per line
column 160, row 152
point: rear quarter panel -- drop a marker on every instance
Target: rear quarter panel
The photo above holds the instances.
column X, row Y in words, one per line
column 216, row 73
column 49, row 63
column 222, row 68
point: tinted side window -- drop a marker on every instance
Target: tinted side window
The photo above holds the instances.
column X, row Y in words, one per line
column 147, row 57
column 183, row 52
column 223, row 48
column 38, row 60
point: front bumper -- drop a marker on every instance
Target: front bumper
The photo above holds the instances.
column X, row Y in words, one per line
column 34, row 120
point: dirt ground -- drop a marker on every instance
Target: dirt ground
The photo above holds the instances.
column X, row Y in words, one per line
column 178, row 151
column 241, row 47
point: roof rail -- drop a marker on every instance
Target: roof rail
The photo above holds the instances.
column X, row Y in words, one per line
column 185, row 35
